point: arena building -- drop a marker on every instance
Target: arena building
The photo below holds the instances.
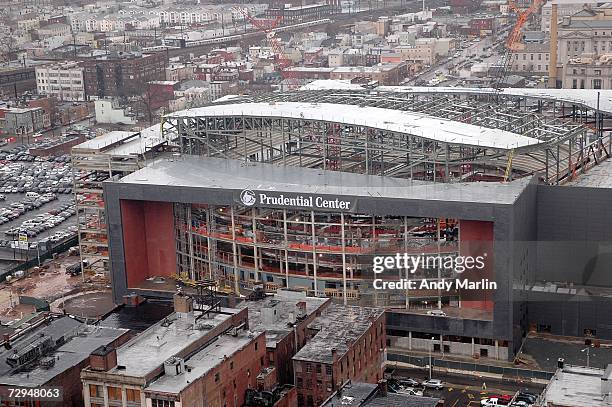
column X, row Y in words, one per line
column 311, row 189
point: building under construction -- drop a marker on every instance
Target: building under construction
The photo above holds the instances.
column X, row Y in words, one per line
column 112, row 155
column 305, row 189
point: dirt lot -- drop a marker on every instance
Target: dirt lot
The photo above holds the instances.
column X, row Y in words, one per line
column 49, row 284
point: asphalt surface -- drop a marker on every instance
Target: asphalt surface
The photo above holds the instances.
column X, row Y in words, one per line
column 466, row 391
column 8, row 254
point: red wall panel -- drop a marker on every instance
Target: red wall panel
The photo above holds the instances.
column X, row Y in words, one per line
column 148, row 240
column 159, row 226
column 134, row 247
column 477, row 240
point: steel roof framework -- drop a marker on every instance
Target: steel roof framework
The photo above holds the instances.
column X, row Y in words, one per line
column 329, row 145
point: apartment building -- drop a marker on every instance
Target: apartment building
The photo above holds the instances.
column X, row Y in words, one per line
column 423, row 53
column 64, row 81
column 122, row 74
column 53, row 30
column 50, row 351
column 533, row 59
column 192, row 357
column 346, row 343
column 271, row 314
column 23, row 121
column 384, row 74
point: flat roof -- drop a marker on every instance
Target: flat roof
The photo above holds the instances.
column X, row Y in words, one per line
column 201, row 363
column 576, row 386
column 337, row 326
column 148, row 351
column 283, row 302
column 212, row 173
column 417, row 124
column 81, row 340
column 124, row 142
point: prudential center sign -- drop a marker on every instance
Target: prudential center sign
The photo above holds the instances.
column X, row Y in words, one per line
column 251, row 198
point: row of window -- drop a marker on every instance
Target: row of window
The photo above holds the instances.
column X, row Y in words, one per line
column 114, row 393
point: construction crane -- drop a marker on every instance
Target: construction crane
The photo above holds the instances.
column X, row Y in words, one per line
column 283, row 62
column 514, row 41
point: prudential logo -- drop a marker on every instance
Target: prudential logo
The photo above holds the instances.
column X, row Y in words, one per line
column 247, row 197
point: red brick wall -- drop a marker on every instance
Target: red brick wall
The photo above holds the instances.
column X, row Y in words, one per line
column 232, row 383
column 362, row 362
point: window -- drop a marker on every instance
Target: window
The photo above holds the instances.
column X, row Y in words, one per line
column 162, row 403
column 132, row 395
column 596, row 83
column 318, row 368
column 114, row 393
column 95, row 390
column 328, row 369
column 308, row 368
column 217, row 377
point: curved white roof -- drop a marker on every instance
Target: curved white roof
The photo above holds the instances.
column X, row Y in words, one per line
column 428, row 127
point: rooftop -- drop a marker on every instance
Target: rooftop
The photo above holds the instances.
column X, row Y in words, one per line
column 169, row 337
column 578, row 386
column 283, row 303
column 80, row 340
column 124, row 142
column 202, row 362
column 337, row 326
column 211, row 173
column 417, row 124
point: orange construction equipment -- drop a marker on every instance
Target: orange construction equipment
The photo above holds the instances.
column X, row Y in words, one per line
column 514, row 40
column 267, row 26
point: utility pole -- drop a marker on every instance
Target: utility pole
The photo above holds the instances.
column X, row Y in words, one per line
column 430, row 346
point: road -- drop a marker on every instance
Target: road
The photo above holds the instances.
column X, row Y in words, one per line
column 474, row 48
column 464, row 390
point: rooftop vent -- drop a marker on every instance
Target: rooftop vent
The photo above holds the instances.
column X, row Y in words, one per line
column 174, row 366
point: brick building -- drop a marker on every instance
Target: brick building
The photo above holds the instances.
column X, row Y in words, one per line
column 270, row 314
column 192, row 357
column 384, row 74
column 346, row 343
column 122, row 74
column 302, row 13
column 57, row 147
column 52, row 352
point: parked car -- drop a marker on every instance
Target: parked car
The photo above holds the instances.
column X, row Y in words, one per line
column 409, row 382
column 436, row 313
column 433, row 384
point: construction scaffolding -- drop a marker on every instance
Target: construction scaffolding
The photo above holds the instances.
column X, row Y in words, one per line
column 563, row 142
column 110, row 156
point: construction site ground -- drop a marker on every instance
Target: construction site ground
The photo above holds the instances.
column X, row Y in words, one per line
column 51, row 284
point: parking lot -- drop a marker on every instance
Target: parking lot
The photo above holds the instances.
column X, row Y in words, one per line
column 465, row 390
column 36, row 202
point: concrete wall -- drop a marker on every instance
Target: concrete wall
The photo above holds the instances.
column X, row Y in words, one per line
column 575, row 235
column 455, row 348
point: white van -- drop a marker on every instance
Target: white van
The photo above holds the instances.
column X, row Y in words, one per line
column 32, row 195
